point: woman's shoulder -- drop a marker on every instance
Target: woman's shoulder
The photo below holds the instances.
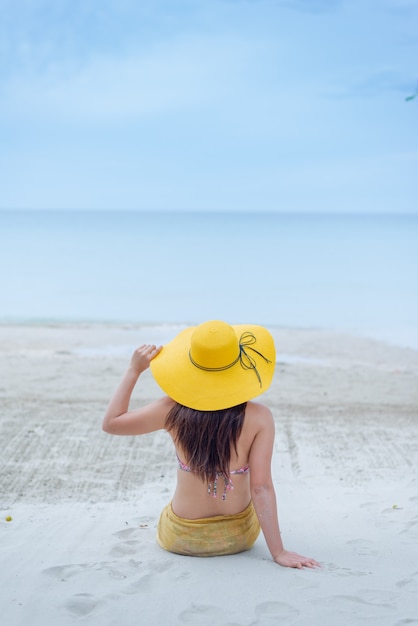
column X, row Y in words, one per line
column 258, row 415
column 258, row 409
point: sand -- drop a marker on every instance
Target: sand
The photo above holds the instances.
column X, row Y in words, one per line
column 81, row 548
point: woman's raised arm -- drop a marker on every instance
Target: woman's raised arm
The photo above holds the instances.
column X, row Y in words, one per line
column 118, row 420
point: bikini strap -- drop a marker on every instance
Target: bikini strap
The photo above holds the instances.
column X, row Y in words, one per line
column 228, row 486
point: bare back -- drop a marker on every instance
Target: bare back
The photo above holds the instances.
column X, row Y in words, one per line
column 191, row 499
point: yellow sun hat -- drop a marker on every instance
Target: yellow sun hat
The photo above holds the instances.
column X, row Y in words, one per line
column 215, row 366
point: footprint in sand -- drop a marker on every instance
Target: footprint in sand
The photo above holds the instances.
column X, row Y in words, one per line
column 145, row 576
column 204, row 615
column 141, row 583
column 126, row 533
column 144, row 524
column 410, row 583
column 132, row 539
column 362, row 547
column 357, row 604
column 125, row 548
column 269, row 613
column 111, row 569
column 65, row 572
column 82, row 604
column 369, row 506
column 342, row 571
column 411, row 529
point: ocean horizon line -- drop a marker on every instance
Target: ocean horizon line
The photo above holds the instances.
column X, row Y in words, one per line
column 339, row 272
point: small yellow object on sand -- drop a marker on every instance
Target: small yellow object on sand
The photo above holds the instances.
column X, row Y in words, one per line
column 9, row 518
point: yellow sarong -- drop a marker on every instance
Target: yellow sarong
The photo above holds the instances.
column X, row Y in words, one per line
column 208, row 536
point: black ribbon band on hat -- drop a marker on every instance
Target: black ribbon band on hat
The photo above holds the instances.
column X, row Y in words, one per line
column 247, row 361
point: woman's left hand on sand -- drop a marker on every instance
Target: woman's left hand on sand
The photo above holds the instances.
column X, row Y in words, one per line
column 292, row 559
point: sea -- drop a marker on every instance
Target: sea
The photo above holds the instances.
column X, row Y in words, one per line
column 347, row 273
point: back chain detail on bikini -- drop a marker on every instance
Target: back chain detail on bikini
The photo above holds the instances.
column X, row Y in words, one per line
column 213, row 488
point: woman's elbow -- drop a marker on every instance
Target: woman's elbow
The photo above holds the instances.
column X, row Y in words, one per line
column 261, row 489
column 106, row 427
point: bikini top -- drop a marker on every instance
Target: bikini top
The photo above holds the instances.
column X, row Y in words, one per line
column 213, row 489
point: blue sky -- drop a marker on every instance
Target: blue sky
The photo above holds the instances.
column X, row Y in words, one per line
column 267, row 105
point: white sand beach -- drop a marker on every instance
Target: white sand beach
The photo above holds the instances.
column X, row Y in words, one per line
column 80, row 546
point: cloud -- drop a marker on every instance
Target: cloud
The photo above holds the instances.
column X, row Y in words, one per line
column 230, row 102
column 372, row 84
column 37, row 34
column 165, row 77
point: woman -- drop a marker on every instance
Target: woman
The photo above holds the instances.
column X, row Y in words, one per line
column 223, row 440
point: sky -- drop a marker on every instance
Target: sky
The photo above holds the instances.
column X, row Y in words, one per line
column 212, row 105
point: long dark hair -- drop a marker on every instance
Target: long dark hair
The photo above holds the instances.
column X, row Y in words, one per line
column 207, row 437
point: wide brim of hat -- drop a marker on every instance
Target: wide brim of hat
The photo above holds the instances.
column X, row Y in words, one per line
column 214, row 390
